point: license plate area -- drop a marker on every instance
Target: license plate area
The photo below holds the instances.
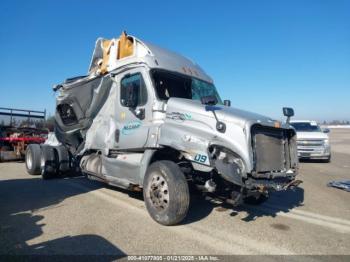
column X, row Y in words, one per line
column 304, row 154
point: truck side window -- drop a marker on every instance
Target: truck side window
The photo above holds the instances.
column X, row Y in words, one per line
column 171, row 85
column 133, row 91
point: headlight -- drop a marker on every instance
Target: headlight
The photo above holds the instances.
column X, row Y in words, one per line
column 326, row 142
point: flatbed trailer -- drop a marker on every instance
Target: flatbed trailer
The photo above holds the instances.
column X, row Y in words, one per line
column 14, row 140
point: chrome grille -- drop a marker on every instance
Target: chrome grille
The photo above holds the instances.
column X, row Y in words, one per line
column 310, row 142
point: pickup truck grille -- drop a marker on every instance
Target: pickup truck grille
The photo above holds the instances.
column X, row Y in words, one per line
column 274, row 149
column 310, row 142
column 309, row 147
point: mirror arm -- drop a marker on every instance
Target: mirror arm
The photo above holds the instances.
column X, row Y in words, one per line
column 220, row 126
column 288, row 119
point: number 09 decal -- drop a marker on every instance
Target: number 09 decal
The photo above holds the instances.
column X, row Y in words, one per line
column 200, row 158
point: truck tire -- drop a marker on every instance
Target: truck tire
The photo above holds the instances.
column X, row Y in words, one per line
column 32, row 159
column 48, row 162
column 165, row 192
column 62, row 159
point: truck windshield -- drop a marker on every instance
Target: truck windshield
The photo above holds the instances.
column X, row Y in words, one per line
column 168, row 84
column 306, row 127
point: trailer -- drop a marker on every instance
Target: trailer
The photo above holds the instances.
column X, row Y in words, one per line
column 14, row 140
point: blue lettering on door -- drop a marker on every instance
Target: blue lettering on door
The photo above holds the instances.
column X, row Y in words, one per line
column 130, row 127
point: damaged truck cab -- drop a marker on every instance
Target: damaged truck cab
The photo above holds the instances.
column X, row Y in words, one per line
column 149, row 119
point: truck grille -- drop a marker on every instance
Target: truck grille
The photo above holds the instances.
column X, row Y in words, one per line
column 310, row 142
column 311, row 146
column 274, row 149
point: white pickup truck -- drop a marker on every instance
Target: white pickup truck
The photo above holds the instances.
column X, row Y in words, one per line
column 312, row 141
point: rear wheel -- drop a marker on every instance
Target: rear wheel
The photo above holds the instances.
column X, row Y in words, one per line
column 166, row 193
column 32, row 159
column 48, row 162
column 62, row 159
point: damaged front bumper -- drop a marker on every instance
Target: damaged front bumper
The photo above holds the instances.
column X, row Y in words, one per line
column 274, row 180
column 275, row 159
column 275, row 184
column 231, row 168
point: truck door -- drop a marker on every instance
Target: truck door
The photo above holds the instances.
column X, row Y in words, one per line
column 133, row 110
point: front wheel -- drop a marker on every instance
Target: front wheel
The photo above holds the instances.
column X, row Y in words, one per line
column 166, row 193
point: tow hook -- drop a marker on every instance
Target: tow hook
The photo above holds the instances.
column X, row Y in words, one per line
column 292, row 184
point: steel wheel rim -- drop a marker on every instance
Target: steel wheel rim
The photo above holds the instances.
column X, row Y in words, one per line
column 29, row 159
column 159, row 192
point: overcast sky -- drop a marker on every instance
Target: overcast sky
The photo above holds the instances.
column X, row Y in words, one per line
column 262, row 55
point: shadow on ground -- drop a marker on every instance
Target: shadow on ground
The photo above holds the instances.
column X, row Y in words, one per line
column 19, row 223
column 282, row 201
column 201, row 207
column 21, row 198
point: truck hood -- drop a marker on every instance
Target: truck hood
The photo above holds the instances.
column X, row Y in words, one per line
column 234, row 114
column 311, row 135
column 224, row 113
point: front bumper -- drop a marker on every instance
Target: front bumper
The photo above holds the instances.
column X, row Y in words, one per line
column 272, row 180
column 314, row 152
column 278, row 184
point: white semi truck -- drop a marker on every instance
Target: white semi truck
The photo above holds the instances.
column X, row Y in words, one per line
column 149, row 119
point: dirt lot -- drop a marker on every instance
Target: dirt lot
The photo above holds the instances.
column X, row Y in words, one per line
column 77, row 216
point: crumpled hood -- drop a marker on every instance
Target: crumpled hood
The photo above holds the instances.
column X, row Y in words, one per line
column 233, row 114
column 224, row 113
column 311, row 135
